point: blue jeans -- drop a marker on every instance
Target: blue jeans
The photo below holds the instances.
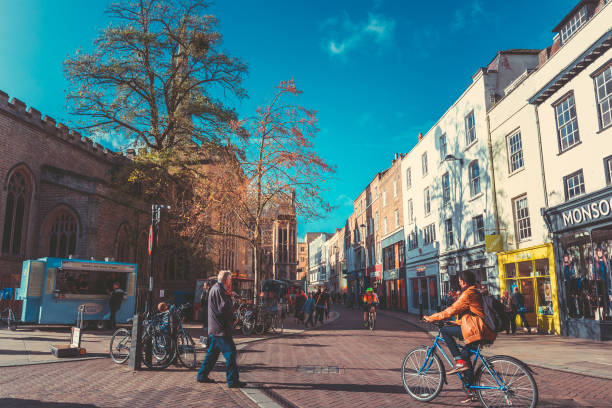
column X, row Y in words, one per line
column 218, row 345
column 449, row 333
column 523, row 320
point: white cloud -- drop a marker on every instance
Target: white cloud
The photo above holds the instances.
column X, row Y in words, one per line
column 347, row 34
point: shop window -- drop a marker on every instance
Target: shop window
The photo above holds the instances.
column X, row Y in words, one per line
column 525, row 269
column 17, row 208
column 586, row 269
column 511, row 270
column 526, row 288
column 88, row 282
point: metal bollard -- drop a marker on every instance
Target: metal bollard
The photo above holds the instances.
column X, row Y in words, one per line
column 136, row 344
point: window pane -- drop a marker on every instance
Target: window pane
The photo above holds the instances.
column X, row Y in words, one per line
column 525, row 269
column 510, row 270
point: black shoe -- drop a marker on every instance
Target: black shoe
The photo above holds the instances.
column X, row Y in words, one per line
column 238, row 384
column 205, row 380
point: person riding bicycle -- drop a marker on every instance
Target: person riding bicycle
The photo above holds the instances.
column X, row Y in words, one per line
column 370, row 301
column 471, row 327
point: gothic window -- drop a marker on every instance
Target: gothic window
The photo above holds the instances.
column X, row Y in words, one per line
column 63, row 235
column 122, row 245
column 17, row 205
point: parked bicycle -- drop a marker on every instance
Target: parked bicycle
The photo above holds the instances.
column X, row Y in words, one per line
column 498, row 380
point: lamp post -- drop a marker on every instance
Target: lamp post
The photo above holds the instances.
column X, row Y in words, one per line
column 365, row 249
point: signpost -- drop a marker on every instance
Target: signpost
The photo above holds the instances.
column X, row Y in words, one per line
column 136, row 345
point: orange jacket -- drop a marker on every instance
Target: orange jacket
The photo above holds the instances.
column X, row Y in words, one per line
column 370, row 299
column 473, row 326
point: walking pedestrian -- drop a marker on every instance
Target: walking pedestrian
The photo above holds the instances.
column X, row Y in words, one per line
column 327, row 302
column 220, row 322
column 319, row 307
column 300, row 300
column 114, row 303
column 519, row 303
column 308, row 309
column 510, row 310
column 204, row 304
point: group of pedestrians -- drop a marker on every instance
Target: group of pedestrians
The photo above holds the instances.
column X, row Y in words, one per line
column 312, row 308
column 515, row 305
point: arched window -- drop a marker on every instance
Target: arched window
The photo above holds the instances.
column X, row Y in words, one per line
column 17, row 206
column 474, row 172
column 122, row 244
column 63, row 234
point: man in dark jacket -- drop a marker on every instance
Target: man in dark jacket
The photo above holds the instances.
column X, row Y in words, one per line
column 220, row 319
column 519, row 303
column 114, row 303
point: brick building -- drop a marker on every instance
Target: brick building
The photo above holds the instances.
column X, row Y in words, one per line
column 55, row 198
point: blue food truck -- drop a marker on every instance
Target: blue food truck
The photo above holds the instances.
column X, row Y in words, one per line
column 52, row 289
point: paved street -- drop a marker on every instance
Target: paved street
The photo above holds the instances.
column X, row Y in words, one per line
column 369, row 369
column 368, row 375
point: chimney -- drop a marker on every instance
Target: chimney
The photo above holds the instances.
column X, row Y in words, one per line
column 395, row 157
column 420, row 136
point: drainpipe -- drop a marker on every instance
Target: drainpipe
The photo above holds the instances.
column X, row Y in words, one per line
column 492, row 170
column 537, row 119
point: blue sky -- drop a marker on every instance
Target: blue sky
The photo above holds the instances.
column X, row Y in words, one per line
column 378, row 72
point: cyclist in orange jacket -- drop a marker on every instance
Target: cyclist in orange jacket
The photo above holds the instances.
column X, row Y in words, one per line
column 370, row 301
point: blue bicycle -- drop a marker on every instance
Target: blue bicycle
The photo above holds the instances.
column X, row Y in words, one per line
column 499, row 381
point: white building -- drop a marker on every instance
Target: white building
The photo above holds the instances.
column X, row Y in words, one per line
column 317, row 262
column 448, row 191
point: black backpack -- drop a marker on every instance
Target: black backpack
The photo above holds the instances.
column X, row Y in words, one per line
column 495, row 317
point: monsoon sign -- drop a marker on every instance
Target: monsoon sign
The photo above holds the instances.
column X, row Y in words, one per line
column 588, row 212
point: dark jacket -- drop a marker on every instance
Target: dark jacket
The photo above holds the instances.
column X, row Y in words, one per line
column 220, row 311
column 115, row 299
column 518, row 300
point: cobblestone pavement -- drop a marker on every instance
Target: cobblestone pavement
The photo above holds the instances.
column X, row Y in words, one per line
column 100, row 383
column 369, row 369
column 368, row 374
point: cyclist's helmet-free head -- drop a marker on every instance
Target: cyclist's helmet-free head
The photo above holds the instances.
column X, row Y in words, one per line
column 368, row 290
column 162, row 306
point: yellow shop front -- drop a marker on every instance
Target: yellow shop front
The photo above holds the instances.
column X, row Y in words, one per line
column 533, row 271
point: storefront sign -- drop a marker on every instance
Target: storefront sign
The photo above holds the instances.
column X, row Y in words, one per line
column 420, row 270
column 96, row 266
column 91, row 308
column 391, row 274
column 588, row 212
column 522, row 256
column 493, row 243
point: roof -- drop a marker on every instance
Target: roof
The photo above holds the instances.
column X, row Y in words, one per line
column 571, row 14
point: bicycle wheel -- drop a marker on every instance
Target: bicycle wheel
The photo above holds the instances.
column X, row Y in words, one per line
column 519, row 386
column 248, row 325
column 371, row 320
column 162, row 353
column 120, row 345
column 185, row 349
column 422, row 385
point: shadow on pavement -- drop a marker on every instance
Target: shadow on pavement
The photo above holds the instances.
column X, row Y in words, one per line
column 367, row 388
column 22, row 403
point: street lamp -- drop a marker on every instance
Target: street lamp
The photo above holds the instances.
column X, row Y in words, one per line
column 450, row 157
column 365, row 249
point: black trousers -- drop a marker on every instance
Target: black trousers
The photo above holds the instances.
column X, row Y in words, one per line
column 113, row 323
